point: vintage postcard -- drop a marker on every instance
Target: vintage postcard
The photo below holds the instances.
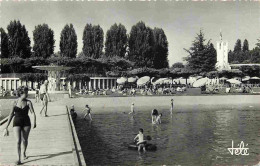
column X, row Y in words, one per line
column 129, row 83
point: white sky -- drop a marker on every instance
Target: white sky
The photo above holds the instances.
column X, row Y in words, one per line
column 180, row 20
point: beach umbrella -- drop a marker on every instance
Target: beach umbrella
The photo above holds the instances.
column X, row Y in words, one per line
column 121, row 80
column 246, row 78
column 159, row 81
column 233, row 81
column 143, row 80
column 168, row 81
column 132, row 79
column 200, row 82
column 255, row 78
column 223, row 78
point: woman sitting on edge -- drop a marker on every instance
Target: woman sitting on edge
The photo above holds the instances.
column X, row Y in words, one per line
column 21, row 123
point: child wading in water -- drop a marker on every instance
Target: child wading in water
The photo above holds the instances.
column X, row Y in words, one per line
column 88, row 109
column 141, row 142
column 132, row 109
column 171, row 110
column 158, row 119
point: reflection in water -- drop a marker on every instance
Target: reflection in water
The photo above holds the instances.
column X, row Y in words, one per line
column 195, row 136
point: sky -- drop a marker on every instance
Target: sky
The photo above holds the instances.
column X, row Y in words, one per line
column 180, row 20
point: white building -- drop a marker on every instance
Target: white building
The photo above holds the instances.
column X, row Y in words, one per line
column 222, row 55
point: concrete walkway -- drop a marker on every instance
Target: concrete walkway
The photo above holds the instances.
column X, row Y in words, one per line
column 52, row 142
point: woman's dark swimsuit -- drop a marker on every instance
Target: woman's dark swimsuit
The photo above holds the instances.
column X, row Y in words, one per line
column 21, row 117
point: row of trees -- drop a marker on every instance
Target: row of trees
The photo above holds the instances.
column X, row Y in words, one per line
column 145, row 46
column 242, row 54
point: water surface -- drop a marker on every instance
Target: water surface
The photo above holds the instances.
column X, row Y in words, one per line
column 192, row 136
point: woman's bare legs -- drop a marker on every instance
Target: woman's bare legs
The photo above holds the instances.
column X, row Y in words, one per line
column 46, row 104
column 25, row 135
column 43, row 106
column 17, row 133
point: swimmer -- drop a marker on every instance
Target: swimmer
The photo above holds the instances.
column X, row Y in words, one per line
column 158, row 119
column 140, row 138
column 171, row 110
column 73, row 113
column 88, row 109
column 154, row 115
column 132, row 109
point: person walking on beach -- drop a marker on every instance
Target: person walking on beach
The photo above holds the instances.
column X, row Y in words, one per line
column 44, row 96
column 171, row 109
column 132, row 109
column 21, row 122
column 88, row 109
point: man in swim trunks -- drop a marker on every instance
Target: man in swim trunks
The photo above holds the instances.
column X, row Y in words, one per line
column 88, row 109
column 140, row 138
column 132, row 109
column 44, row 96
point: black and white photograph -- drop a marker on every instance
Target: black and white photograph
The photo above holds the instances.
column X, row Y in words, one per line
column 129, row 83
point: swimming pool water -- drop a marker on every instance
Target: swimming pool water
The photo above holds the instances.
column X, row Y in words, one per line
column 192, row 136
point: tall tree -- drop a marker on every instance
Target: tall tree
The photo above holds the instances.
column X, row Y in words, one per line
column 93, row 38
column 68, row 42
column 210, row 58
column 19, row 41
column 43, row 38
column 116, row 41
column 4, row 44
column 245, row 46
column 258, row 43
column 141, row 42
column 238, row 46
column 202, row 57
column 160, row 49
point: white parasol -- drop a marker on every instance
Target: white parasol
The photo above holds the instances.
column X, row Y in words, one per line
column 143, row 80
column 121, row 80
column 132, row 79
column 234, row 81
column 200, row 82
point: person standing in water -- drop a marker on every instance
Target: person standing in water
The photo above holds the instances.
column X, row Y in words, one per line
column 154, row 115
column 44, row 96
column 132, row 109
column 141, row 141
column 171, row 109
column 21, row 122
column 88, row 109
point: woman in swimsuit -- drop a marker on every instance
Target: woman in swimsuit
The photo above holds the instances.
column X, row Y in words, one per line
column 154, row 115
column 21, row 123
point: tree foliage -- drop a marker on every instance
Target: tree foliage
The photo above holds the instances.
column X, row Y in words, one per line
column 68, row 42
column 4, row 44
column 238, row 47
column 141, row 42
column 178, row 65
column 43, row 38
column 93, row 41
column 201, row 56
column 160, row 49
column 245, row 46
column 116, row 41
column 19, row 41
